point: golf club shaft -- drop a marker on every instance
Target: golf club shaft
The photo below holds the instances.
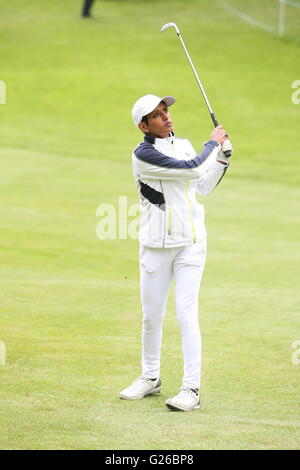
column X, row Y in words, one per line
column 213, row 117
column 227, row 144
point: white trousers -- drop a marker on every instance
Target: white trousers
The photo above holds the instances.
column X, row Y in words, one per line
column 158, row 266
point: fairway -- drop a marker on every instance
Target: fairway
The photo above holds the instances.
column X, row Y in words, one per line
column 70, row 314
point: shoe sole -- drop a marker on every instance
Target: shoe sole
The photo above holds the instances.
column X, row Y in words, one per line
column 151, row 392
column 178, row 408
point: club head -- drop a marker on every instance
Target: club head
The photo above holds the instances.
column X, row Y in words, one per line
column 169, row 25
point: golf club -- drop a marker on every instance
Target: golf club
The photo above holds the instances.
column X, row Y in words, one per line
column 226, row 147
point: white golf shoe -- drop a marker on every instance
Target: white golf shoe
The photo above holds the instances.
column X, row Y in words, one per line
column 140, row 388
column 186, row 400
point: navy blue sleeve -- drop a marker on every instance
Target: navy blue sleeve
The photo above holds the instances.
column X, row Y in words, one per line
column 146, row 152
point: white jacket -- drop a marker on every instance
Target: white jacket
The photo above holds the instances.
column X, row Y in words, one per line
column 169, row 174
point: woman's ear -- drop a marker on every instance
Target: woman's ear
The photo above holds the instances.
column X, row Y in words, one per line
column 144, row 128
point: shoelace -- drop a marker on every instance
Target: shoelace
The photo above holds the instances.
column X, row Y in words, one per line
column 187, row 391
column 142, row 380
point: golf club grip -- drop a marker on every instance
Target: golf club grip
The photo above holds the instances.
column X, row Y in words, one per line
column 214, row 119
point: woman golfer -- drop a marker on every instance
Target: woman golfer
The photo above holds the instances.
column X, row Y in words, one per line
column 172, row 237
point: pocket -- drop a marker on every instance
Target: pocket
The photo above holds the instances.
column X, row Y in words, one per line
column 155, row 259
column 148, row 259
column 193, row 255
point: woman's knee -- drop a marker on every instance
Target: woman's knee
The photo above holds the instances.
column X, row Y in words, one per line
column 152, row 322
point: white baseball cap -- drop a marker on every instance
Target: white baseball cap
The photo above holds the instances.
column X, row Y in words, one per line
column 146, row 104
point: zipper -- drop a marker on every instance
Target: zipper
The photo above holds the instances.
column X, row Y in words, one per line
column 169, row 221
column 164, row 234
column 187, row 185
column 169, row 213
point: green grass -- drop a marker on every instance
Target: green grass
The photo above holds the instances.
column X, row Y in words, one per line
column 70, row 308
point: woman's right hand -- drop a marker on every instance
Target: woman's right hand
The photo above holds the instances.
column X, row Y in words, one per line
column 219, row 134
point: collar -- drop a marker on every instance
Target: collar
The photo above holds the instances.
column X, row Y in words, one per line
column 150, row 138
